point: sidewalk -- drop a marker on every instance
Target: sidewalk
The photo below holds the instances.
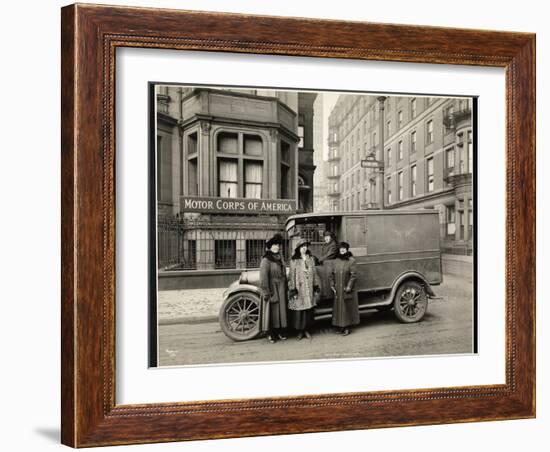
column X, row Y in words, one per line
column 203, row 305
column 189, row 306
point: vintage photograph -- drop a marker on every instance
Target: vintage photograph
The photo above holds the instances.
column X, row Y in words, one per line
column 292, row 225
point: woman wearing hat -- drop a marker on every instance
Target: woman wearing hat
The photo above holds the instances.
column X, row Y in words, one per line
column 345, row 310
column 273, row 283
column 330, row 248
column 304, row 285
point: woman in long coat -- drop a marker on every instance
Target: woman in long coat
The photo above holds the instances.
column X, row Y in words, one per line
column 330, row 248
column 273, row 283
column 345, row 310
column 303, row 285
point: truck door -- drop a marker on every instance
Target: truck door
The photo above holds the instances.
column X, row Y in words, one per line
column 356, row 235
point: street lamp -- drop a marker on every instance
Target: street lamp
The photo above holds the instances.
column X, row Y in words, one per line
column 377, row 167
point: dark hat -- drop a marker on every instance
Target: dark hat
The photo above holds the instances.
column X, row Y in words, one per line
column 327, row 232
column 277, row 239
column 301, row 243
column 343, row 245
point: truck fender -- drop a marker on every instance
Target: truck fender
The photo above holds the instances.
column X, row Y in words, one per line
column 415, row 276
column 242, row 288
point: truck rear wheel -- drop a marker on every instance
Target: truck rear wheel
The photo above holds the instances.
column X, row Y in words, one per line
column 410, row 303
column 240, row 316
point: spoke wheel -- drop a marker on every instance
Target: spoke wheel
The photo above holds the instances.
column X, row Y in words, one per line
column 240, row 316
column 411, row 302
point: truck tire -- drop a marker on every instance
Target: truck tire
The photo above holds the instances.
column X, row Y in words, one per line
column 240, row 316
column 411, row 302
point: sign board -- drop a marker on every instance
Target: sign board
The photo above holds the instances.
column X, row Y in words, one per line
column 205, row 204
column 370, row 164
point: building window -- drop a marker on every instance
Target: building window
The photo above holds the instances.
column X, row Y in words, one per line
column 413, row 141
column 450, row 161
column 430, row 173
column 374, row 143
column 413, row 180
column 447, row 115
column 388, row 153
column 164, row 170
column 461, row 224
column 388, row 128
column 400, row 119
column 225, row 253
column 253, row 146
column 450, row 220
column 400, row 186
column 285, row 186
column 470, row 218
column 429, row 132
column 428, row 101
column 227, row 178
column 254, row 252
column 253, row 176
column 192, row 143
column 301, row 135
column 193, row 179
column 413, row 108
column 470, row 152
column 400, row 150
column 228, row 143
column 462, row 159
column 388, row 185
column 241, row 175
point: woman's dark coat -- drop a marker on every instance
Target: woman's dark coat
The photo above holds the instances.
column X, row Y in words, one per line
column 328, row 251
column 273, row 283
column 345, row 309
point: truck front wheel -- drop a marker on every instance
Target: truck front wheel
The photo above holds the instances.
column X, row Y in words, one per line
column 240, row 316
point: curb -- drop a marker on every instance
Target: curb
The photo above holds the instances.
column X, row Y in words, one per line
column 189, row 320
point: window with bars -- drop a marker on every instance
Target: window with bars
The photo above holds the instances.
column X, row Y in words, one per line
column 254, row 251
column 225, row 253
column 413, row 141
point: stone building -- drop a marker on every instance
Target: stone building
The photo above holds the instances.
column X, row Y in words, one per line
column 232, row 165
column 423, row 147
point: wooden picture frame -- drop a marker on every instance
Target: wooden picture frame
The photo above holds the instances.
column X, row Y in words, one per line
column 90, row 36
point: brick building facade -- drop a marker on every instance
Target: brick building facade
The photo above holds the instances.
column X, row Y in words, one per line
column 424, row 146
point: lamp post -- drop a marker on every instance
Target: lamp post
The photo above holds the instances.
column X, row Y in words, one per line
column 375, row 158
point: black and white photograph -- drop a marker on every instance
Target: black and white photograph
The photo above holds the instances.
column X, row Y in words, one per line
column 295, row 225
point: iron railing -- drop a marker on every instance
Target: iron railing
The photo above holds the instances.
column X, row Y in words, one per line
column 194, row 244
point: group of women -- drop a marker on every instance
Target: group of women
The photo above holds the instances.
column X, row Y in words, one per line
column 289, row 302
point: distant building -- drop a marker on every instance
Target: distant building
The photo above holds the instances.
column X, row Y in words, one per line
column 320, row 199
column 232, row 165
column 426, row 147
